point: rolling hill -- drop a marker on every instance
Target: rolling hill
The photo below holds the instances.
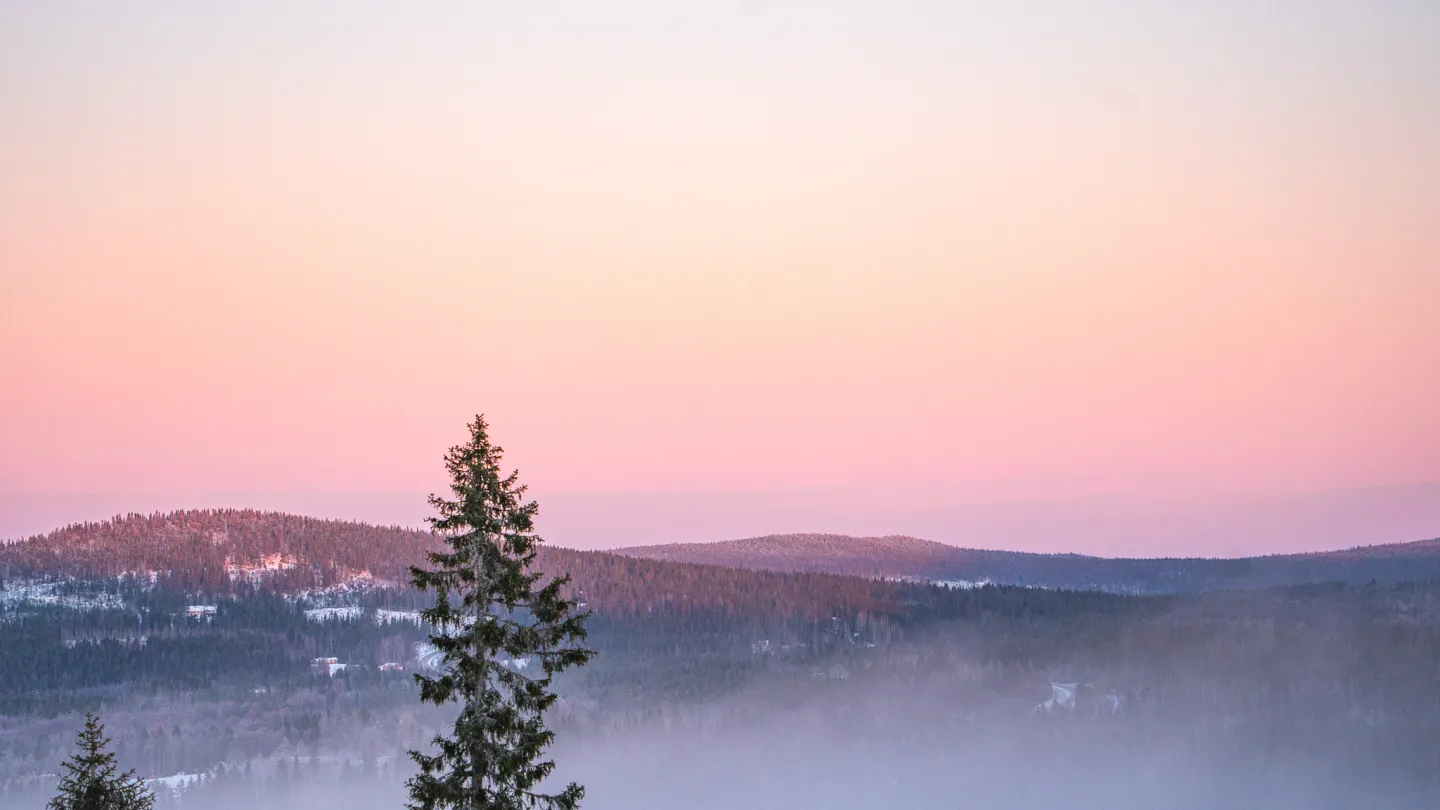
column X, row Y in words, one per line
column 241, row 552
column 224, row 550
column 105, row 614
column 909, row 557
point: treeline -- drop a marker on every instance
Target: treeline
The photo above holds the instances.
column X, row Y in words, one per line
column 1344, row 672
column 226, row 552
column 896, row 556
column 145, row 640
column 216, row 551
column 1341, row 674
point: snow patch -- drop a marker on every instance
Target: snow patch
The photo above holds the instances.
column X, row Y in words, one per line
column 961, row 584
column 177, row 783
column 358, row 582
column 334, row 614
column 17, row 593
column 1062, row 696
column 384, row 617
column 256, row 571
column 428, row 657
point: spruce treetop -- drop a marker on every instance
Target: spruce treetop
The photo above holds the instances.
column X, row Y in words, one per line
column 92, row 780
column 490, row 612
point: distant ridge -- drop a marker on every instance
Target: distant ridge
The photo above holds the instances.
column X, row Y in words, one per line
column 889, row 555
column 896, row 556
column 221, row 550
column 243, row 551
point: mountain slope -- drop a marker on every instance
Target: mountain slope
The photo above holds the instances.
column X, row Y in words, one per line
column 233, row 551
column 899, row 556
column 889, row 556
column 216, row 551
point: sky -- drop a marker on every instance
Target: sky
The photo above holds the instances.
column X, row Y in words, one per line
column 857, row 262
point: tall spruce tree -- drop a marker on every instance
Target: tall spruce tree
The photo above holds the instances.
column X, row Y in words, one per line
column 490, row 611
column 92, row 780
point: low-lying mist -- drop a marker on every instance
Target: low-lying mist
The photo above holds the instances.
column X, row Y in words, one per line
column 715, row 686
column 851, row 742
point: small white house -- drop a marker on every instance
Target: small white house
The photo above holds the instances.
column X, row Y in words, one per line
column 327, row 666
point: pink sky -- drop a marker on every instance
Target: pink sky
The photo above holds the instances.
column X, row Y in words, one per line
column 961, row 260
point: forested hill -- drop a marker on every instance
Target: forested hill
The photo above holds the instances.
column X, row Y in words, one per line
column 198, row 633
column 225, row 551
column 898, row 556
column 239, row 552
column 216, row 550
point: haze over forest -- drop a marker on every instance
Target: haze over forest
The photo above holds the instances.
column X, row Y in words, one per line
column 725, row 684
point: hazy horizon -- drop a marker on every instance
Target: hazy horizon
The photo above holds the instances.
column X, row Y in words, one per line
column 1115, row 526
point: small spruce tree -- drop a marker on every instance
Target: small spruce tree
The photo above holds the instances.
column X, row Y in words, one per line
column 490, row 607
column 92, row 780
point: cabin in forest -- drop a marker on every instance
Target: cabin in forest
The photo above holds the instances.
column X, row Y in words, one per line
column 327, row 666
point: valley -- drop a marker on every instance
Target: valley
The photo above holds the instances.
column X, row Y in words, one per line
column 227, row 676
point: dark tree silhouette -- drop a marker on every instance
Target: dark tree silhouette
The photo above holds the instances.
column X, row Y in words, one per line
column 92, row 780
column 493, row 759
